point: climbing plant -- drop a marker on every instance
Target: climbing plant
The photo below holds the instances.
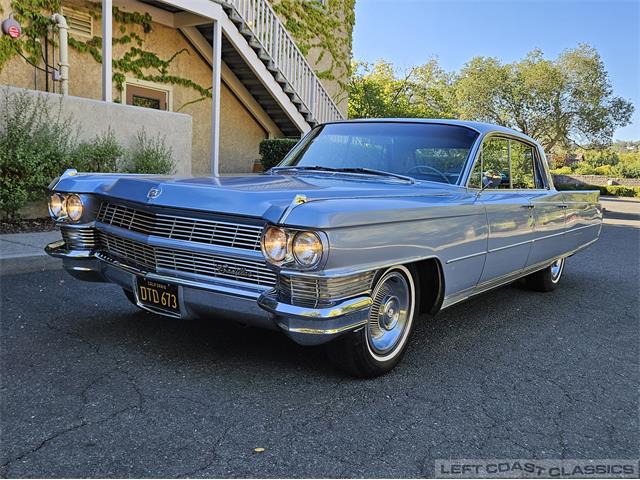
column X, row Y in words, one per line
column 136, row 61
column 325, row 26
column 33, row 16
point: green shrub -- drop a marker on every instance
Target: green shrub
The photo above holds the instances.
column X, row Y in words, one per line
column 599, row 158
column 102, row 154
column 36, row 145
column 620, row 191
column 606, row 170
column 273, row 150
column 150, row 155
column 562, row 171
column 630, row 168
column 585, row 169
column 613, row 190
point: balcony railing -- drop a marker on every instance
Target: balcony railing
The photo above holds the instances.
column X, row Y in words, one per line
column 282, row 56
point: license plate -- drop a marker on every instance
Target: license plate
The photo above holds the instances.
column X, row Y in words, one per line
column 158, row 295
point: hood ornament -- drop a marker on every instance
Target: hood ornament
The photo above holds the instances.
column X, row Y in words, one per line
column 154, row 193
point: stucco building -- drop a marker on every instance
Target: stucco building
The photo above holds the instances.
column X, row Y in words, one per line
column 231, row 65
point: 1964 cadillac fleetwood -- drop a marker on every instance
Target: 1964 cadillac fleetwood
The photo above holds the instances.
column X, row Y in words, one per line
column 362, row 227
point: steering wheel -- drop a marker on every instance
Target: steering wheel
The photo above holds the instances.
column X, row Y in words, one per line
column 418, row 168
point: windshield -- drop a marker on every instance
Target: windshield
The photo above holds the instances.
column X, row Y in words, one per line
column 419, row 150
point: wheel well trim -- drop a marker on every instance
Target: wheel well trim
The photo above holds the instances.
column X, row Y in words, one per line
column 436, row 302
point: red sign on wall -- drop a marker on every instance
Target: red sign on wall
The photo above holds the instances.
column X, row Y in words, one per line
column 14, row 32
column 12, row 28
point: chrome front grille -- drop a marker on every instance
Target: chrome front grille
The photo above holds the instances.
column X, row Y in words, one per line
column 319, row 292
column 83, row 238
column 149, row 258
column 198, row 230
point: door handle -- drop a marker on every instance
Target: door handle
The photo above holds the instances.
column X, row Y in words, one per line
column 527, row 206
column 563, row 205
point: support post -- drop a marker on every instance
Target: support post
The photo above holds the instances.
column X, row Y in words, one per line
column 107, row 50
column 216, row 65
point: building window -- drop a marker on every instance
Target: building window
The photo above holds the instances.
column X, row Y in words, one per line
column 141, row 93
column 80, row 23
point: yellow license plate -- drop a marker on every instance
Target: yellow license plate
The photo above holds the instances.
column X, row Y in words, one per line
column 159, row 295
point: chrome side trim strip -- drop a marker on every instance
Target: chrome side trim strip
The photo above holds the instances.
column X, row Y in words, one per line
column 329, row 331
column 508, row 246
column 269, row 302
column 500, row 281
column 539, row 238
column 465, row 257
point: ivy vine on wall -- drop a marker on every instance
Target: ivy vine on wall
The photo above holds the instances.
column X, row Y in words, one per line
column 322, row 26
column 326, row 26
column 142, row 64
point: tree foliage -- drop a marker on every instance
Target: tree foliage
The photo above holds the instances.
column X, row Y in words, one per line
column 564, row 103
column 376, row 92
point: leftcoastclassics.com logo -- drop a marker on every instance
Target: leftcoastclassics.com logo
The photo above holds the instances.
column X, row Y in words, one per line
column 531, row 468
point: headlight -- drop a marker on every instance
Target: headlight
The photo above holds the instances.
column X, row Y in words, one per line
column 57, row 207
column 307, row 248
column 74, row 207
column 274, row 244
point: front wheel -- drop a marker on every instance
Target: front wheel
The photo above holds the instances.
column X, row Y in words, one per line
column 377, row 347
column 546, row 280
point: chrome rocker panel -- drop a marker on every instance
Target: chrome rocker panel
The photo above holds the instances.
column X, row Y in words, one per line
column 255, row 306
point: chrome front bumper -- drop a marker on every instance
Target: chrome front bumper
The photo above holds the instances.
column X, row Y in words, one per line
column 205, row 298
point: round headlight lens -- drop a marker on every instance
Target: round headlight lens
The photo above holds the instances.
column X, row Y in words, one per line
column 57, row 207
column 74, row 207
column 274, row 244
column 307, row 248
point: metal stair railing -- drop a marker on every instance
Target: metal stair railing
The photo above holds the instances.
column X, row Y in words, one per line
column 275, row 47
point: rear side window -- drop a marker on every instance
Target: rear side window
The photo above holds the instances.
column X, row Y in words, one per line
column 506, row 164
column 522, row 165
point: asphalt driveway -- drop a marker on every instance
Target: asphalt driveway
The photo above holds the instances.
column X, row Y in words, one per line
column 92, row 387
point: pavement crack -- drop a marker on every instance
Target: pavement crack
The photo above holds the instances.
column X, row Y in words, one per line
column 43, row 443
column 94, row 347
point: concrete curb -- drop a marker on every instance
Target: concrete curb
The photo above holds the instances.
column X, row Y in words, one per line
column 29, row 264
column 24, row 253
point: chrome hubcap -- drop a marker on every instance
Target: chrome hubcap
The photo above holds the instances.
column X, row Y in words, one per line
column 556, row 269
column 389, row 312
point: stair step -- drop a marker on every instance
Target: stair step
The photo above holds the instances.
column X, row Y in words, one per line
column 264, row 56
column 295, row 98
column 245, row 31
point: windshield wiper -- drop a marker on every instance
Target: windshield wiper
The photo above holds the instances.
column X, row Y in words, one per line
column 373, row 171
column 303, row 167
column 366, row 171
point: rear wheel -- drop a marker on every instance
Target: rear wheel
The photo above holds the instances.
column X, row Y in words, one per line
column 546, row 280
column 377, row 347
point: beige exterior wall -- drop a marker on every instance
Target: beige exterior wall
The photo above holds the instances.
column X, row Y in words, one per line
column 93, row 117
column 240, row 133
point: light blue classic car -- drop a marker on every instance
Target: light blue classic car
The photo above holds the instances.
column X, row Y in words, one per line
column 364, row 226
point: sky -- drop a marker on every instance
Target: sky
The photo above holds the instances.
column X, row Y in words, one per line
column 409, row 32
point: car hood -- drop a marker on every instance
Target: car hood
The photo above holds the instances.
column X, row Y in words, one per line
column 262, row 196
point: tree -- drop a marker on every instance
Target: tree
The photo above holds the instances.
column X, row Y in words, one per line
column 375, row 91
column 565, row 102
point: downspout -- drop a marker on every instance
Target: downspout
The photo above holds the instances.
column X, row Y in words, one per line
column 63, row 61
